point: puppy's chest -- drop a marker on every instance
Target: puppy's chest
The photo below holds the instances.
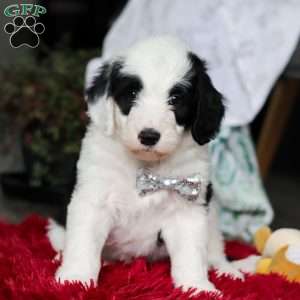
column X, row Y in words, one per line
column 137, row 230
column 141, row 218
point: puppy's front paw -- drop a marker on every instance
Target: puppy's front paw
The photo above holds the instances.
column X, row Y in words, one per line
column 201, row 286
column 228, row 269
column 247, row 265
column 64, row 274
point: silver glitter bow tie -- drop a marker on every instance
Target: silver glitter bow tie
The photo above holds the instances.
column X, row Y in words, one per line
column 188, row 188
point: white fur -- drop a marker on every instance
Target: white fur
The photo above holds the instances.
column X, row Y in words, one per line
column 106, row 215
column 56, row 235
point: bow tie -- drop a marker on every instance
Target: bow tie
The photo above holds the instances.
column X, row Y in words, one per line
column 188, row 188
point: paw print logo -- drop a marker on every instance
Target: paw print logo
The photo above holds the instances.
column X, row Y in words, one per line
column 24, row 32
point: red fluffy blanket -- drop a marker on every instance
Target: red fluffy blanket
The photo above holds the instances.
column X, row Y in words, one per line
column 27, row 266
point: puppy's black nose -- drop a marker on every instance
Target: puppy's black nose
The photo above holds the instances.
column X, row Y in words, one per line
column 149, row 136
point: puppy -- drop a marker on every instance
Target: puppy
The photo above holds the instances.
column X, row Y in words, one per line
column 152, row 109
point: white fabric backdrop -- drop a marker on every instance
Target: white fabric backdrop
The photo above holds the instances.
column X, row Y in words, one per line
column 247, row 43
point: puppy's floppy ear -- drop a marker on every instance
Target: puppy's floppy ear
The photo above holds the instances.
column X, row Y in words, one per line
column 209, row 105
column 100, row 105
column 99, row 84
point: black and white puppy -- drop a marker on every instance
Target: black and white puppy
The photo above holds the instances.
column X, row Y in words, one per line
column 154, row 107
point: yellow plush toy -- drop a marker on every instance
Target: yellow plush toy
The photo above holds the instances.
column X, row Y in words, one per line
column 280, row 252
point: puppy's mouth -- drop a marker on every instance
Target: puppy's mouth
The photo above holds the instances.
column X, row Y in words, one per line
column 149, row 154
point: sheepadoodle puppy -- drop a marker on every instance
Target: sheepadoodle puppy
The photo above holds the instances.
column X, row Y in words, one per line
column 143, row 177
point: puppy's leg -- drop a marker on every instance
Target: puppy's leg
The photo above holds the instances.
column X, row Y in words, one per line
column 88, row 226
column 56, row 235
column 216, row 255
column 185, row 236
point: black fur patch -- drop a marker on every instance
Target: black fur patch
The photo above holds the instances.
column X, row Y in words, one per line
column 99, row 84
column 210, row 109
column 160, row 241
column 124, row 89
column 209, row 194
column 183, row 102
column 197, row 104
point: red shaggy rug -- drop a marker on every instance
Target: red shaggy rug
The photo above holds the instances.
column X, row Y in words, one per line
column 27, row 266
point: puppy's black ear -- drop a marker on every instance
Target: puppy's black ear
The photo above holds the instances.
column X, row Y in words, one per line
column 209, row 105
column 99, row 84
column 100, row 105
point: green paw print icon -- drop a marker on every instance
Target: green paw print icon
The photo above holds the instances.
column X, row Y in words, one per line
column 24, row 32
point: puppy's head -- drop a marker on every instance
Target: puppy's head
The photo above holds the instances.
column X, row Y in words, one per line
column 152, row 96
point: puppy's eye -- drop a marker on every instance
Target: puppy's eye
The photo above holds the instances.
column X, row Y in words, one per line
column 174, row 99
column 133, row 93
